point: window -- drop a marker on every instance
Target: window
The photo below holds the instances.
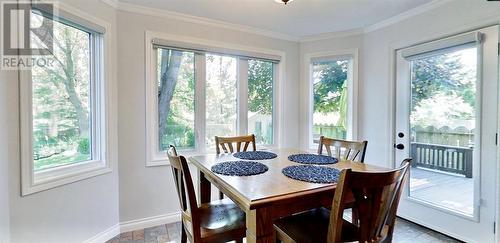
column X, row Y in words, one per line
column 175, row 99
column 332, row 103
column 221, row 97
column 202, row 94
column 62, row 109
column 260, row 100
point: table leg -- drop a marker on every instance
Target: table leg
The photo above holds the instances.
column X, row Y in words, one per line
column 204, row 189
column 260, row 226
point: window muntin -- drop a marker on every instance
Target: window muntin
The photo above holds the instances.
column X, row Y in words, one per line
column 62, row 100
column 330, row 98
column 221, row 100
column 176, row 94
column 221, row 97
column 260, row 100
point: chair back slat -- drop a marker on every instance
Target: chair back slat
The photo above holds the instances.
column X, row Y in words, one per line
column 185, row 191
column 227, row 142
column 376, row 198
column 346, row 150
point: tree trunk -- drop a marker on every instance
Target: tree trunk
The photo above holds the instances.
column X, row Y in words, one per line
column 69, row 85
column 169, row 75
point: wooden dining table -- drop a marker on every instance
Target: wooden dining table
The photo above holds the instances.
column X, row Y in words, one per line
column 271, row 195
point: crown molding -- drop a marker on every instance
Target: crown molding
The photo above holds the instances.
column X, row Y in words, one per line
column 112, row 3
column 134, row 8
column 406, row 15
column 331, row 35
column 382, row 24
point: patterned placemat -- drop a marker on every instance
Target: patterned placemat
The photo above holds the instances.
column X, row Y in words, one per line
column 312, row 173
column 255, row 155
column 239, row 168
column 312, row 159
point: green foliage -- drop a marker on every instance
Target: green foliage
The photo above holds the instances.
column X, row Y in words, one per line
column 441, row 73
column 329, row 79
column 260, row 87
column 84, row 146
column 61, row 100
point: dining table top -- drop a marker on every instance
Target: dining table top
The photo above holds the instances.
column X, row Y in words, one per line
column 273, row 185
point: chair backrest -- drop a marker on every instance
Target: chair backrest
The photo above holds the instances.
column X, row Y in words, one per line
column 347, row 150
column 226, row 143
column 376, row 196
column 186, row 193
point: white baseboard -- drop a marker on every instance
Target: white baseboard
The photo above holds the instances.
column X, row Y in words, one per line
column 132, row 225
column 105, row 235
column 143, row 223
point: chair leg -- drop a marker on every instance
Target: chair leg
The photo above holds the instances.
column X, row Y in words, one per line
column 221, row 195
column 239, row 241
column 354, row 216
column 183, row 234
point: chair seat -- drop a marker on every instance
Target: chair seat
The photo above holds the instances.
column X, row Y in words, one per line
column 221, row 221
column 311, row 227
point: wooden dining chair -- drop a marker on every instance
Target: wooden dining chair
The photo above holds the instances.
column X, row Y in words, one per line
column 226, row 143
column 346, row 150
column 376, row 196
column 217, row 221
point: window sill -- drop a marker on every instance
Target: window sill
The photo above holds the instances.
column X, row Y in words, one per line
column 161, row 159
column 51, row 178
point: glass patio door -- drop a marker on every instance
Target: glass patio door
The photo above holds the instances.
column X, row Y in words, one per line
column 446, row 121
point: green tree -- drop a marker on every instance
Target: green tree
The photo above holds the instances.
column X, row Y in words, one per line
column 260, row 87
column 329, row 79
column 441, row 73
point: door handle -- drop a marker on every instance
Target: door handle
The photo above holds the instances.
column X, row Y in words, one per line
column 399, row 146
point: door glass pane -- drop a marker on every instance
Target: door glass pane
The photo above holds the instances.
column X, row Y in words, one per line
column 442, row 124
column 61, row 99
column 221, row 93
column 260, row 100
column 330, row 99
column 175, row 99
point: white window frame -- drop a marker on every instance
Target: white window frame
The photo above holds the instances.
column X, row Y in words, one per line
column 352, row 88
column 154, row 157
column 35, row 181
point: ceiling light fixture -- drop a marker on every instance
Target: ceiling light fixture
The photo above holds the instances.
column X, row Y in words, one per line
column 283, row 1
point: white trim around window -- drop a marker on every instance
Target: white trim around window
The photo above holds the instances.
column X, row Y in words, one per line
column 35, row 181
column 154, row 157
column 352, row 87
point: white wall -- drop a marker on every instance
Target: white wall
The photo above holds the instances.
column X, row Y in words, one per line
column 375, row 95
column 6, row 152
column 70, row 213
column 146, row 192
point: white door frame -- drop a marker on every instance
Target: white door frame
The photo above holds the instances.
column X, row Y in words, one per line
column 393, row 48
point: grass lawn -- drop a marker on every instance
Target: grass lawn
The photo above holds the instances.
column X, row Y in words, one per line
column 59, row 159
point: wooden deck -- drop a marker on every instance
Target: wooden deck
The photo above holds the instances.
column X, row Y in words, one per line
column 448, row 190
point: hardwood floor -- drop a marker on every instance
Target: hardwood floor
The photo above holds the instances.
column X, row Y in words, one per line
column 405, row 232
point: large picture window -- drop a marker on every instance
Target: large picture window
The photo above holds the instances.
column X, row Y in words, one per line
column 260, row 100
column 175, row 99
column 63, row 121
column 199, row 95
column 332, row 85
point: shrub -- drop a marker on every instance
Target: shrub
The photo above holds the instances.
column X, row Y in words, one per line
column 83, row 146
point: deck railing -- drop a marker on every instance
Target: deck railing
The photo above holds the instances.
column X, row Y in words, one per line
column 442, row 157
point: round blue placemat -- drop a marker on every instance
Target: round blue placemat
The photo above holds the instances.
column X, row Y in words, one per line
column 239, row 168
column 312, row 159
column 255, row 155
column 311, row 173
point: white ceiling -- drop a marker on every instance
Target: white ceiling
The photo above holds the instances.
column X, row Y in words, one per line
column 298, row 18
